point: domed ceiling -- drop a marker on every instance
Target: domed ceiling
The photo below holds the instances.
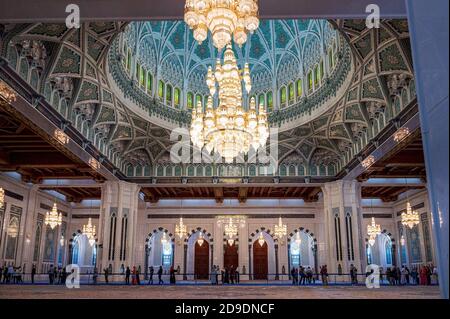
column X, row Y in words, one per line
column 73, row 69
column 279, row 49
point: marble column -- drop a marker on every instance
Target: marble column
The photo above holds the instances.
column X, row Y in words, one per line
column 117, row 224
column 342, row 205
column 428, row 26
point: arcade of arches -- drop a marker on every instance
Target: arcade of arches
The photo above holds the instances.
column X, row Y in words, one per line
column 90, row 130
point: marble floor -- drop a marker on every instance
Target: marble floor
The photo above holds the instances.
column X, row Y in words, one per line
column 216, row 292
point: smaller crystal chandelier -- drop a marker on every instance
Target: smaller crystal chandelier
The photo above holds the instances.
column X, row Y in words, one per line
column 298, row 240
column 53, row 218
column 7, row 93
column 373, row 231
column 2, row 197
column 231, row 230
column 280, row 229
column 164, row 239
column 13, row 230
column 261, row 240
column 200, row 239
column 89, row 231
column 410, row 218
column 181, row 230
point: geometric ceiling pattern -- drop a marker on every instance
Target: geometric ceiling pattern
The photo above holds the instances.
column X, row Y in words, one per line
column 278, row 49
column 69, row 68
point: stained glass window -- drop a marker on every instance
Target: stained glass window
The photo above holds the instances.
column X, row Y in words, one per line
column 316, row 76
column 129, row 60
column 161, row 89
column 261, row 100
column 169, row 94
column 299, row 88
column 291, row 93
column 143, row 74
column 269, row 101
column 177, row 97
column 190, row 100
column 310, row 81
column 149, row 82
column 283, row 95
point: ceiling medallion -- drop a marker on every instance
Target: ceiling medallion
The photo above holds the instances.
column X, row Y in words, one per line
column 280, row 229
column 401, row 134
column 225, row 19
column 53, row 218
column 89, row 231
column 369, row 161
column 229, row 129
column 410, row 218
column 7, row 93
column 373, row 230
column 2, row 197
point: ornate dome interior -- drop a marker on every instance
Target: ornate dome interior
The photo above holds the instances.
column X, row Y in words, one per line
column 330, row 87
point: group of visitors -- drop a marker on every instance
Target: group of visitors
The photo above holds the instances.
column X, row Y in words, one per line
column 56, row 275
column 229, row 275
column 306, row 276
column 422, row 275
column 11, row 275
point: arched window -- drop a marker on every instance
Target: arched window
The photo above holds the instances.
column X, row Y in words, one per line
column 149, row 82
column 316, row 76
column 261, row 100
column 198, row 98
column 138, row 72
column 283, row 96
column 142, row 75
column 269, row 101
column 190, row 100
column 301, row 250
column 83, row 253
column 169, row 94
column 160, row 252
column 299, row 88
column 161, row 89
column 291, row 93
column 129, row 60
column 310, row 81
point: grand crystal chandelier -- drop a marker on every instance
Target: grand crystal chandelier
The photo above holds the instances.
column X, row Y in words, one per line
column 280, row 229
column 53, row 218
column 373, row 230
column 181, row 229
column 229, row 129
column 225, row 19
column 89, row 231
column 410, row 218
column 2, row 197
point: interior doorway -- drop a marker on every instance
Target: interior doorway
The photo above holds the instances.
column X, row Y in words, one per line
column 260, row 261
column 231, row 257
column 201, row 262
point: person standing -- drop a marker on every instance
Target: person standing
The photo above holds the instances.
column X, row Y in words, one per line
column 213, row 275
column 160, row 272
column 150, row 279
column 172, row 276
column 232, row 275
column 1, row 273
column 133, row 276
column 324, row 275
column 94, row 276
column 127, row 276
column 105, row 272
column 33, row 273
column 138, row 277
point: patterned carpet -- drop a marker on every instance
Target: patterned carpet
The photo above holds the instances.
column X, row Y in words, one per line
column 217, row 292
